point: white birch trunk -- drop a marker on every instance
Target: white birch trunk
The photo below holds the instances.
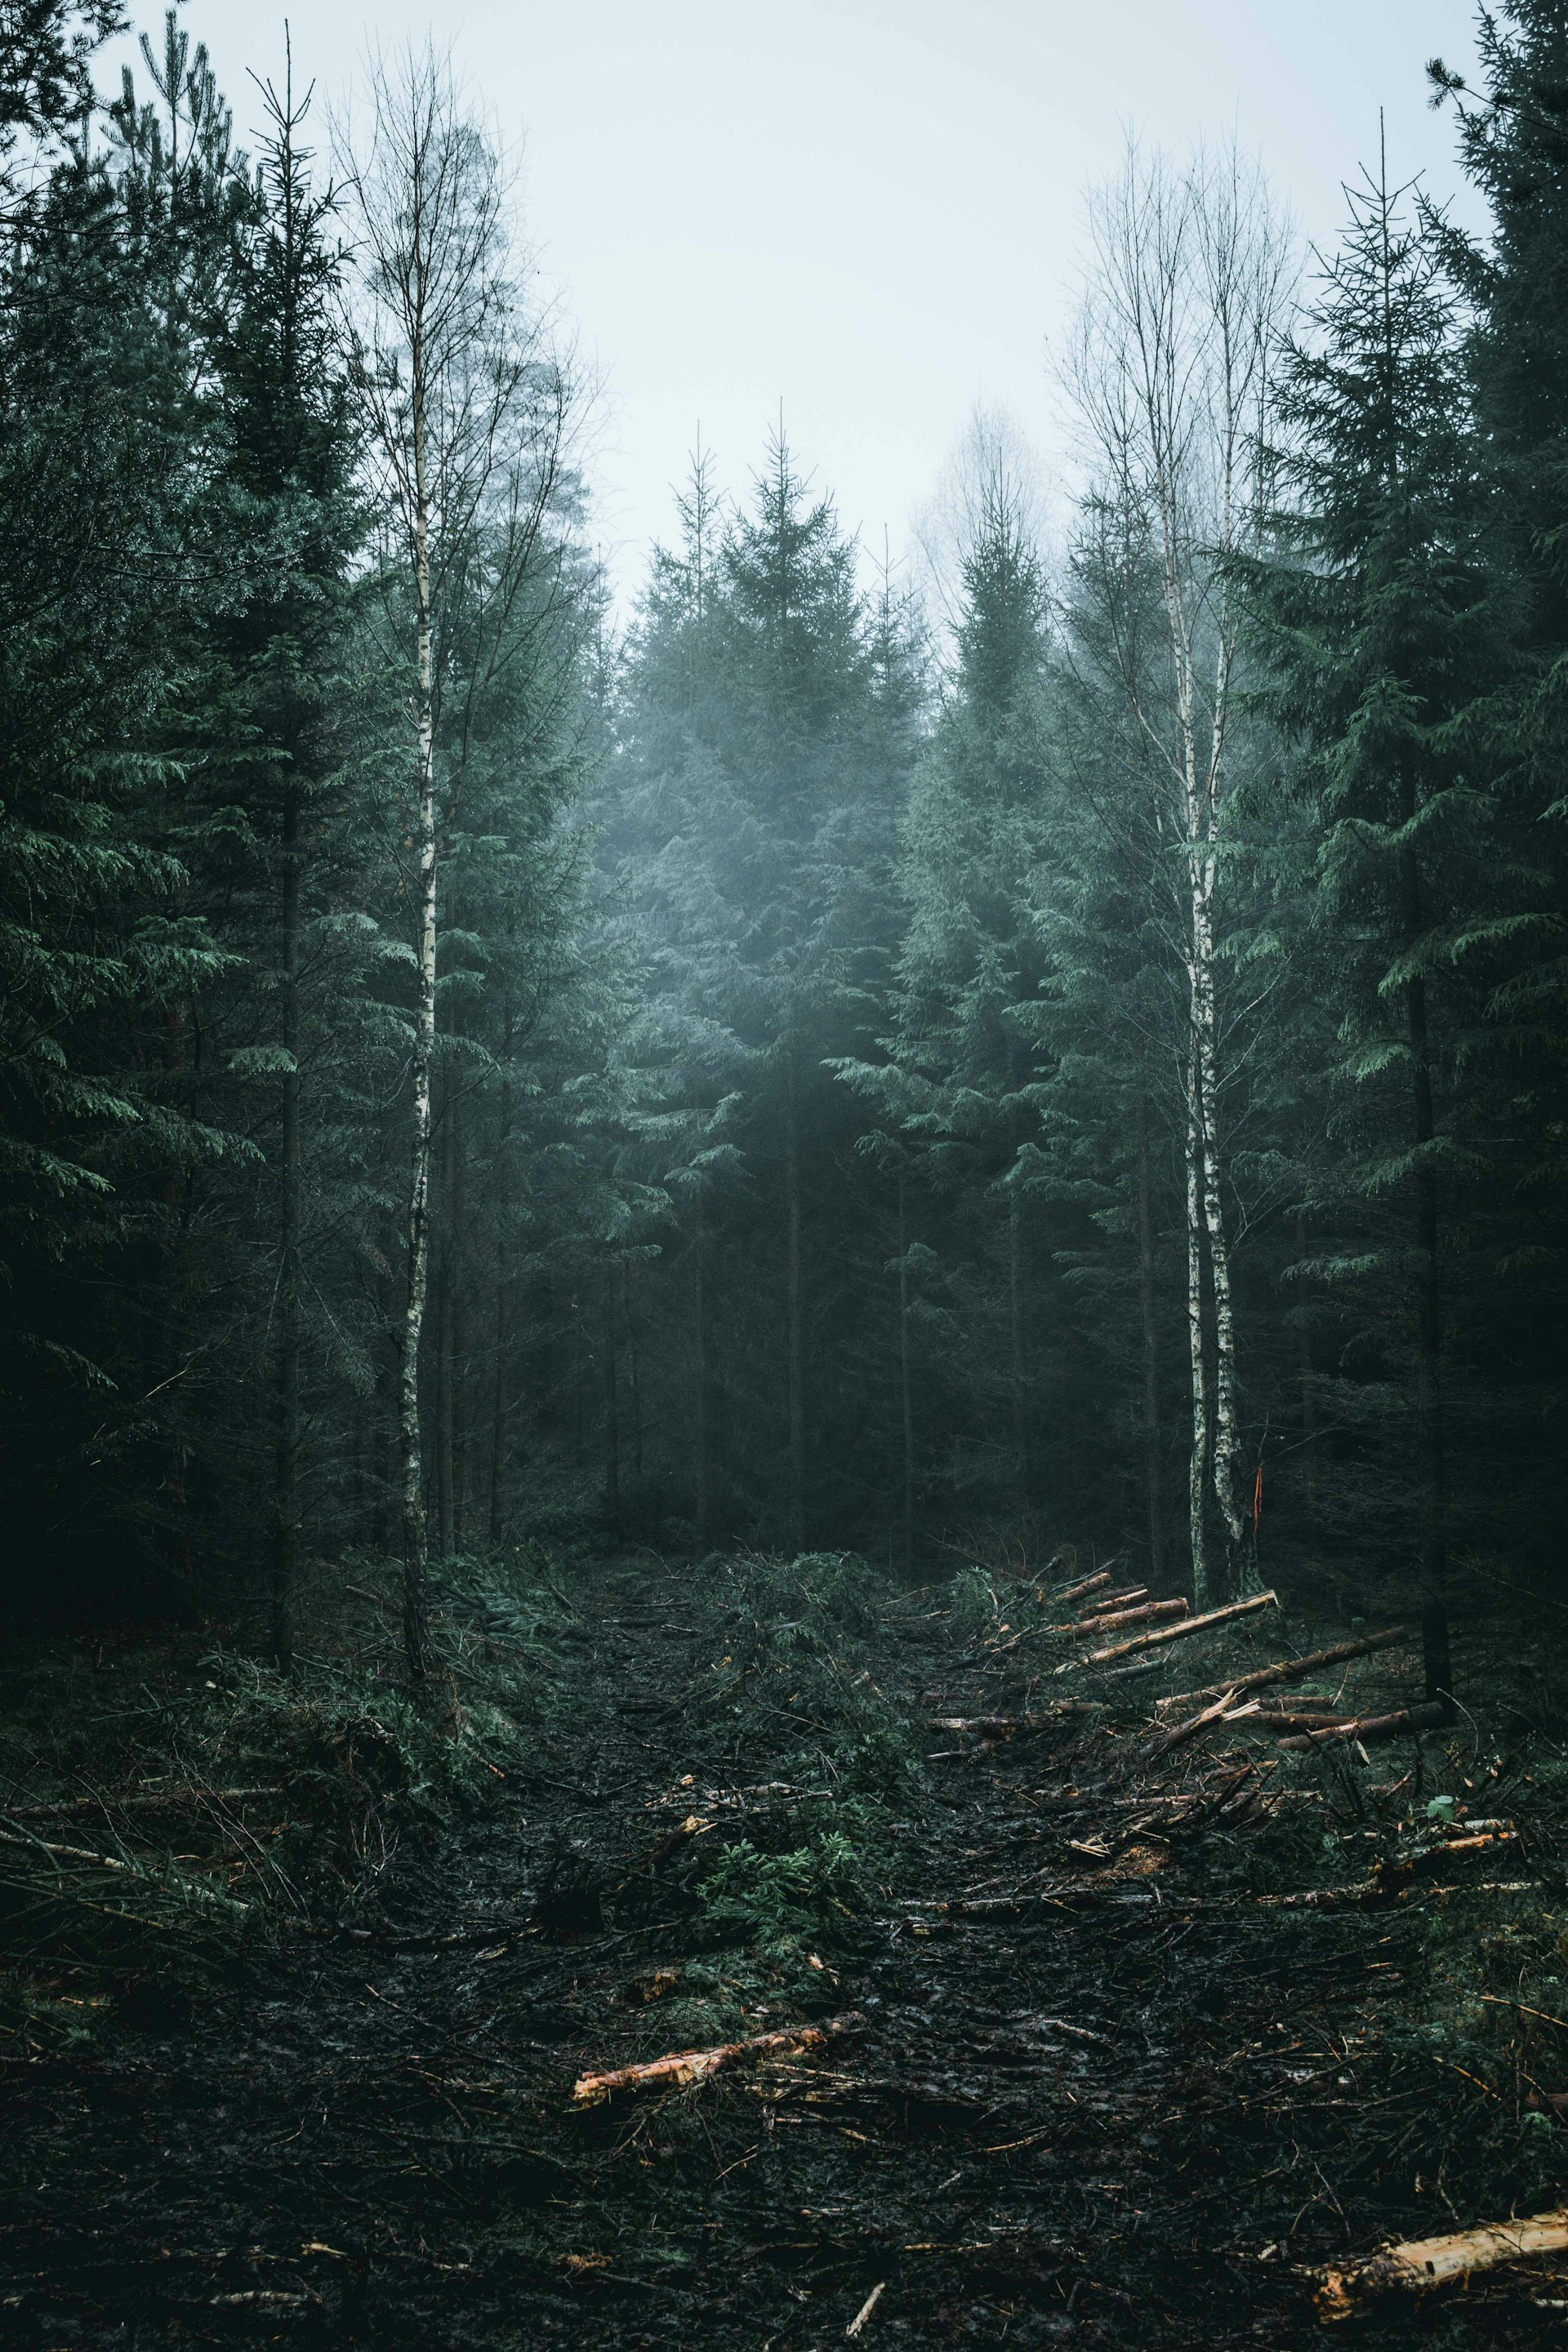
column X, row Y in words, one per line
column 411, row 1451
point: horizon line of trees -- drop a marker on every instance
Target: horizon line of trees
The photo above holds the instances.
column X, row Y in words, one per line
column 1072, row 1051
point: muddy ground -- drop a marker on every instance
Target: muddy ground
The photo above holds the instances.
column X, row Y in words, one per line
column 1117, row 2102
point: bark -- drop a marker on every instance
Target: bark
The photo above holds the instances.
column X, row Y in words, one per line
column 1419, row 2264
column 286, row 1532
column 1187, row 1625
column 1429, row 1344
column 906, row 1393
column 1151, row 1441
column 794, row 1336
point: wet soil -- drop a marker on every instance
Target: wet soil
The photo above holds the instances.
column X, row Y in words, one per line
column 1124, row 2120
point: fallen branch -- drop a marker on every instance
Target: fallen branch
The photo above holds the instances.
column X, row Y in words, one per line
column 1427, row 1717
column 1423, row 2264
column 867, row 2308
column 1002, row 1727
column 1184, row 1730
column 1233, row 1609
column 684, row 2066
column 144, row 1800
column 1290, row 1670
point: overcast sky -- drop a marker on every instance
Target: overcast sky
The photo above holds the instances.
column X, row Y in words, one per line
column 867, row 209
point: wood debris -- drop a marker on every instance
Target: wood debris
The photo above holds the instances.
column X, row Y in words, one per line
column 1371, row 1726
column 1290, row 1670
column 1422, row 2263
column 1145, row 1612
column 685, row 2066
column 1231, row 1610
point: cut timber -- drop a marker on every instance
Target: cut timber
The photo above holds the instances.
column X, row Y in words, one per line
column 1423, row 2264
column 1149, row 1612
column 1286, row 1718
column 1290, row 1670
column 1427, row 1717
column 1109, row 1602
column 1232, row 1609
column 1086, row 1584
column 683, row 2066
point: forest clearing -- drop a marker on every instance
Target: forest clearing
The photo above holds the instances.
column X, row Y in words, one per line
column 1052, row 2017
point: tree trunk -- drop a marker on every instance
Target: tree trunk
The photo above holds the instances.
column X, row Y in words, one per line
column 634, row 1366
column 701, row 1437
column 286, row 1532
column 1022, row 1465
column 502, row 1272
column 441, row 1259
column 456, row 1337
column 1198, row 1458
column 1226, row 1435
column 1429, row 1340
column 609, row 1351
column 1308, row 1395
column 416, row 1607
column 906, row 1389
column 795, row 1340
column 1152, row 1446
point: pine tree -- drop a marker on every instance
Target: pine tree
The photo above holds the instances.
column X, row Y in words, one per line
column 1380, row 627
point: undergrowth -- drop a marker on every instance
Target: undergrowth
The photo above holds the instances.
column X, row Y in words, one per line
column 164, row 1806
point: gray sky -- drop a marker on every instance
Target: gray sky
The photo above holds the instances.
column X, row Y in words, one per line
column 867, row 209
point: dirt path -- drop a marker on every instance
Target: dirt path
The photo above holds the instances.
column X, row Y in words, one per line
column 1125, row 2124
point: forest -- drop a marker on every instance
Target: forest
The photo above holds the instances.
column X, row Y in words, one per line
column 868, row 1122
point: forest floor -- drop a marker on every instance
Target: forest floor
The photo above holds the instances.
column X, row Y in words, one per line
column 1085, row 2078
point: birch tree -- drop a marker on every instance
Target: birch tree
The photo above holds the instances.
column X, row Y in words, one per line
column 468, row 411
column 1187, row 282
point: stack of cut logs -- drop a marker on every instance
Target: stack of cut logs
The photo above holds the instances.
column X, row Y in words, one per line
column 1304, row 1721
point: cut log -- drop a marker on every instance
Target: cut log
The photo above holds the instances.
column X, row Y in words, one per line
column 1233, row 1609
column 683, row 2066
column 1290, row 1670
column 1427, row 1717
column 1149, row 1612
column 1286, row 1718
column 1085, row 1584
column 1109, row 1602
column 1422, row 2263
